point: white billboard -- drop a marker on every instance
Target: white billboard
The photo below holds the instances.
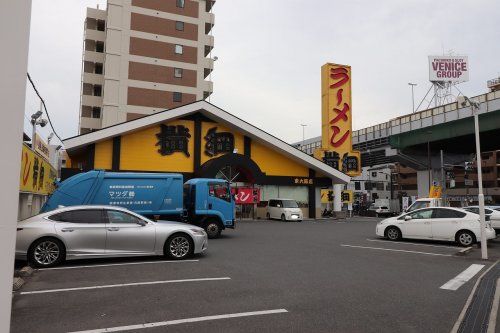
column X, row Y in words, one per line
column 448, row 69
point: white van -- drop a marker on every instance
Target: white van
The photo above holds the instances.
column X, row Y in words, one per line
column 284, row 209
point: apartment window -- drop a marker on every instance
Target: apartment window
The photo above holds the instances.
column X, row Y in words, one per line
column 179, row 26
column 96, row 112
column 357, row 186
column 97, row 90
column 178, row 72
column 98, row 68
column 374, row 174
column 101, row 25
column 177, row 97
column 178, row 49
column 99, row 47
column 181, row 3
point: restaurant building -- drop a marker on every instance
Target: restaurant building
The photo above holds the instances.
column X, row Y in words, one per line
column 201, row 140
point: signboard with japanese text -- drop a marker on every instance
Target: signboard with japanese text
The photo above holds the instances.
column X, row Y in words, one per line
column 326, row 196
column 37, row 175
column 336, row 120
column 435, row 192
column 246, row 195
column 41, row 147
column 347, row 196
column 448, row 69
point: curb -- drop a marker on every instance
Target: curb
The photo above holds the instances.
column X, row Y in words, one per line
column 494, row 309
column 469, row 299
column 463, row 252
column 17, row 283
column 26, row 271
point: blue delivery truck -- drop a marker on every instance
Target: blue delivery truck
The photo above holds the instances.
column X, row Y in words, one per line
column 204, row 202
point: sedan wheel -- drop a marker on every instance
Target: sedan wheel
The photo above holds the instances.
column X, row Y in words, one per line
column 393, row 234
column 179, row 247
column 46, row 252
column 466, row 238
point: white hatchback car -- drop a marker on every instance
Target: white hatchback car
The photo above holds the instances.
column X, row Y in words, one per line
column 284, row 209
column 438, row 223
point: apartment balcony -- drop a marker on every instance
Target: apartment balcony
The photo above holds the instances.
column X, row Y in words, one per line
column 209, row 40
column 96, row 13
column 93, row 56
column 207, row 86
column 92, row 123
column 91, row 100
column 95, row 35
column 93, row 78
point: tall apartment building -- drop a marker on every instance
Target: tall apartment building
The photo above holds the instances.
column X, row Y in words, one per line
column 144, row 56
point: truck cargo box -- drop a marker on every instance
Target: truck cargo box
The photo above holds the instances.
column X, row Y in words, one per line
column 144, row 193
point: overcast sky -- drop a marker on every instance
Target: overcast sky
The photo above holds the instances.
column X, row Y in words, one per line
column 270, row 54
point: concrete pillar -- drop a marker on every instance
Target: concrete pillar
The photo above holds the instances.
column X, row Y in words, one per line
column 337, row 200
column 423, row 183
column 14, row 33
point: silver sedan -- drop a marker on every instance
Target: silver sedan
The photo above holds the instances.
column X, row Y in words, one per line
column 79, row 232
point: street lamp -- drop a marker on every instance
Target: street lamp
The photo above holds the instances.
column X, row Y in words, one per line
column 412, row 95
column 475, row 110
column 36, row 120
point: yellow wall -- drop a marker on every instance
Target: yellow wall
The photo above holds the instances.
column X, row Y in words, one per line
column 274, row 164
column 103, row 155
column 238, row 140
column 139, row 151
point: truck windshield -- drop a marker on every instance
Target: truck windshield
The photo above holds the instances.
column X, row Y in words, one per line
column 290, row 204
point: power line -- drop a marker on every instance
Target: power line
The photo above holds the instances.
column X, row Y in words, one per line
column 45, row 107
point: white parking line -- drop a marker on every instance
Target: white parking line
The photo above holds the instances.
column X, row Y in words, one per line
column 183, row 321
column 120, row 264
column 463, row 277
column 419, row 244
column 396, row 250
column 121, row 285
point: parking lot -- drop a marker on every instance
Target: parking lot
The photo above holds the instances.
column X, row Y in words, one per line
column 314, row 276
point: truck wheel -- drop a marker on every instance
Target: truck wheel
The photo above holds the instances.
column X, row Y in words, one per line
column 213, row 229
column 178, row 246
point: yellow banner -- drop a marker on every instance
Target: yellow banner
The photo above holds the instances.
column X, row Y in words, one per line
column 435, row 192
column 324, row 196
column 347, row 196
column 37, row 175
column 336, row 120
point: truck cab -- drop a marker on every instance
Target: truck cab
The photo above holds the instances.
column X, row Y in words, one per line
column 209, row 204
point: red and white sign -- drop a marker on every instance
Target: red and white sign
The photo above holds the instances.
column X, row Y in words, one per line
column 448, row 69
column 246, row 195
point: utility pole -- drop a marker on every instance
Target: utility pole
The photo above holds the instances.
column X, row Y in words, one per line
column 15, row 17
column 443, row 179
column 412, row 96
column 475, row 110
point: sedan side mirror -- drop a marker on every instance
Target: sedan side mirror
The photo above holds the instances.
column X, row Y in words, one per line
column 407, row 218
column 141, row 223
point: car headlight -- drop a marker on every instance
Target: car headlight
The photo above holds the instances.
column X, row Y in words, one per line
column 198, row 231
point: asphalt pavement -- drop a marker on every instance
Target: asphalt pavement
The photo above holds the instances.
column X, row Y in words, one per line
column 267, row 276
